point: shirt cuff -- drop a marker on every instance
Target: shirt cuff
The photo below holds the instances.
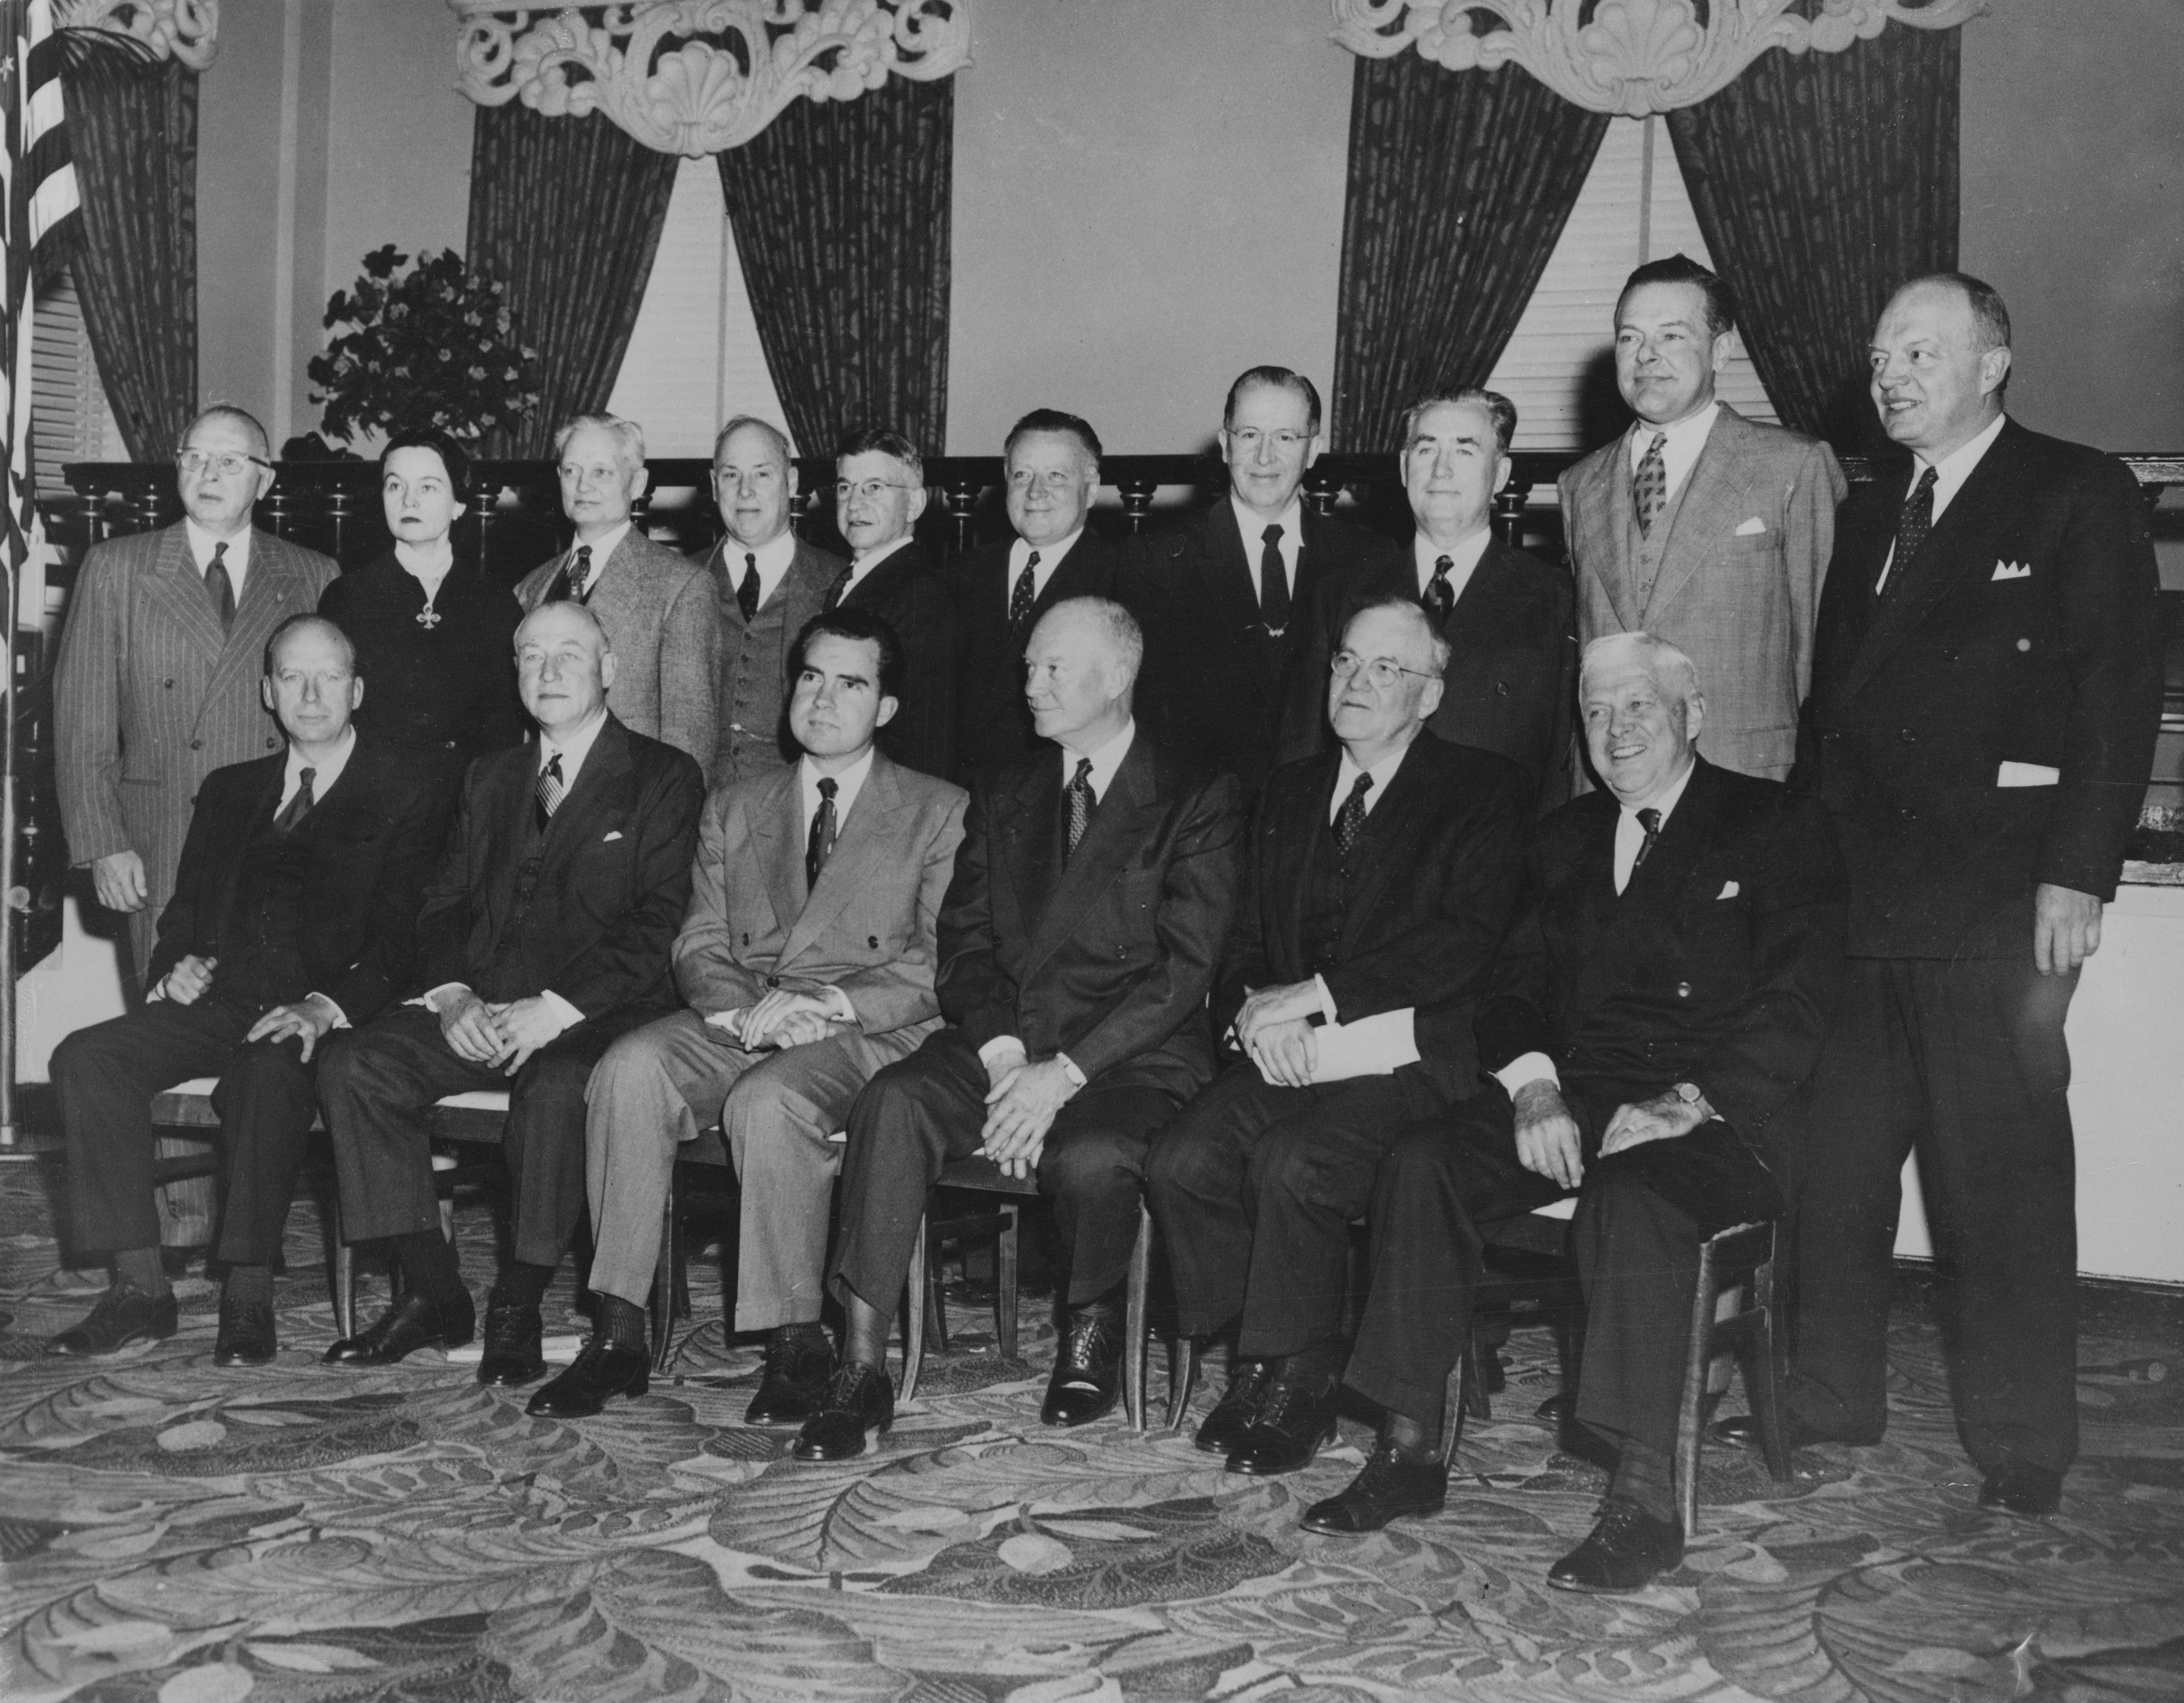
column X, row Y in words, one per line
column 1326, row 999
column 845, row 1007
column 1000, row 1047
column 570, row 1016
column 732, row 1019
column 341, row 1017
column 158, row 991
column 1525, row 1069
column 430, row 999
column 1077, row 1077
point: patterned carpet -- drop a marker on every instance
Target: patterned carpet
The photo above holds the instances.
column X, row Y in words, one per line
column 301, row 1533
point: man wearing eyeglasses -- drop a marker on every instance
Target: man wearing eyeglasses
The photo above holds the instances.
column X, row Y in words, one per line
column 157, row 683
column 879, row 493
column 1378, row 880
column 1234, row 584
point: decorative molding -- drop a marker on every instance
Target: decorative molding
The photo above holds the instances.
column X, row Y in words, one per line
column 700, row 76
column 1634, row 57
column 184, row 30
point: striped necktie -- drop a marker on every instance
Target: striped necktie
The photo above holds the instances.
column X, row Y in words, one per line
column 550, row 792
column 1080, row 802
column 1649, row 485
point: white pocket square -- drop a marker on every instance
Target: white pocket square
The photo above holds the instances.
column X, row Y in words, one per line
column 2013, row 570
column 2027, row 774
column 612, row 834
column 1751, row 528
column 1729, row 889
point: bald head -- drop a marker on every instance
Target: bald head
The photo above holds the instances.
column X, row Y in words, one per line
column 1081, row 671
column 1940, row 358
column 564, row 666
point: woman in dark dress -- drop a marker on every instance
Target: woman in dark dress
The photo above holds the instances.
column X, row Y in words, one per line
column 435, row 639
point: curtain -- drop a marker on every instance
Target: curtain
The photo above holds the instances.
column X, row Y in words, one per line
column 841, row 213
column 565, row 212
column 1460, row 182
column 133, row 131
column 1821, row 183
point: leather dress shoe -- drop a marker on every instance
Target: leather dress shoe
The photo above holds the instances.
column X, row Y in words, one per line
column 412, row 1323
column 1088, row 1368
column 122, row 1316
column 513, row 1333
column 247, row 1336
column 798, row 1364
column 1222, row 1430
column 2018, row 1487
column 601, row 1369
column 1741, row 1431
column 1627, row 1550
column 858, row 1400
column 1294, row 1418
column 1392, row 1485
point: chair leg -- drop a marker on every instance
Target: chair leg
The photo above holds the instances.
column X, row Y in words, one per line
column 344, row 1265
column 1476, row 1403
column 1764, row 1374
column 1698, row 1358
column 1005, row 1282
column 663, row 1281
column 1135, row 1338
column 1182, row 1379
column 913, row 1318
column 936, row 1305
column 1455, row 1398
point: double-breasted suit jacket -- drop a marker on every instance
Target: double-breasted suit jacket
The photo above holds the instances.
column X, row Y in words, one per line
column 755, row 682
column 151, row 696
column 1738, row 587
column 907, row 590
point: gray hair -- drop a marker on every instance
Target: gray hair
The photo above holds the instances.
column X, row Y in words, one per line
column 628, row 437
column 1441, row 648
column 774, row 435
column 294, row 623
column 1117, row 625
column 241, row 416
column 1499, row 409
column 1669, row 668
column 574, row 608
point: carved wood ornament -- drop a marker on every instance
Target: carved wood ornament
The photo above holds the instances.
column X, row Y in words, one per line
column 184, row 30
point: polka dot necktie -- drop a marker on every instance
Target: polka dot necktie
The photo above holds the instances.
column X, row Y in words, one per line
column 1349, row 820
column 1080, row 802
column 1024, row 593
column 1912, row 527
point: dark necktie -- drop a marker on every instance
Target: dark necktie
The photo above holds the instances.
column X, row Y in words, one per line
column 1021, row 595
column 220, row 587
column 820, row 847
column 840, row 588
column 1080, row 802
column 747, row 593
column 1649, row 485
column 1650, row 820
column 1916, row 521
column 571, row 584
column 549, row 796
column 1274, row 583
column 1440, row 595
column 1349, row 820
column 296, row 808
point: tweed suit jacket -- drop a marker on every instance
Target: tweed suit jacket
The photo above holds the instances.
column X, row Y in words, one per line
column 665, row 625
column 151, row 697
column 908, row 592
column 754, row 744
column 1740, row 600
column 868, row 926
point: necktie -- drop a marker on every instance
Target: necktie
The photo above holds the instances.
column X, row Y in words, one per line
column 549, row 793
column 1349, row 820
column 570, row 585
column 820, row 847
column 1650, row 820
column 1021, row 596
column 1274, row 583
column 1440, row 595
column 747, row 593
column 220, row 587
column 840, row 588
column 1911, row 530
column 1649, row 485
column 296, row 808
column 1080, row 802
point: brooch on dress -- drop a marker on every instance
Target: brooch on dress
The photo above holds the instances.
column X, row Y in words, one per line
column 428, row 618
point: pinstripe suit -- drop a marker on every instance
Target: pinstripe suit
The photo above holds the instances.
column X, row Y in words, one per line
column 150, row 699
column 662, row 619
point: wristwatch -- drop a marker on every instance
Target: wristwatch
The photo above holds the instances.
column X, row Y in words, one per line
column 1693, row 1096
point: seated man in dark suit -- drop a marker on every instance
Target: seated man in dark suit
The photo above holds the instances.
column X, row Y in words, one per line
column 294, row 911
column 544, row 937
column 1654, row 1013
column 1377, row 884
column 1051, row 463
column 1509, row 619
column 1078, row 940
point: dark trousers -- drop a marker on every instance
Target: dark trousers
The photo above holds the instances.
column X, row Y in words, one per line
column 1254, row 1188
column 379, row 1084
column 1964, row 1064
column 105, row 1077
column 923, row 1111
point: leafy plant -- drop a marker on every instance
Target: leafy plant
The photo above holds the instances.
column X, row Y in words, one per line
column 437, row 346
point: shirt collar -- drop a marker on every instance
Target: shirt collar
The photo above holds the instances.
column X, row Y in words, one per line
column 1951, row 472
column 602, row 548
column 1050, row 557
column 1291, row 522
column 202, row 543
column 1667, row 802
column 1685, row 438
column 1465, row 557
column 846, row 786
column 577, row 747
column 1383, row 772
column 325, row 771
column 772, row 558
column 864, row 564
column 1105, row 760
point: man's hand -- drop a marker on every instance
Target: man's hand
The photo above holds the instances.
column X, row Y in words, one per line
column 1286, row 1054
column 763, row 1019
column 1271, row 1005
column 470, row 1028
column 526, row 1025
column 308, row 1019
column 186, row 982
column 801, row 1028
column 2066, row 928
column 1020, row 1110
column 118, row 879
column 1661, row 1119
column 1547, row 1142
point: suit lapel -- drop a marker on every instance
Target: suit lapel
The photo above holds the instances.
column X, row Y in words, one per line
column 264, row 798
column 863, row 848
column 777, row 827
column 1389, row 829
column 1230, row 577
column 1647, row 907
column 1604, row 513
column 1114, row 831
column 1020, row 863
column 179, row 589
column 1077, row 576
column 1714, row 490
column 592, row 799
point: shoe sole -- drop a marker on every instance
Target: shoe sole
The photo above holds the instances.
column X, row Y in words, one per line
column 503, row 1380
column 629, row 1391
column 231, row 1358
column 1308, row 1524
column 872, row 1433
column 133, row 1337
column 1251, row 1470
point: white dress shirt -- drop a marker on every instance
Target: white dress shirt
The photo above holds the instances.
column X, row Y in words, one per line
column 1463, row 560
column 1049, row 558
column 1686, row 440
column 1253, row 527
column 1345, row 777
column 325, row 771
column 602, row 549
column 771, row 560
column 429, row 567
column 1950, row 473
column 861, row 568
column 237, row 560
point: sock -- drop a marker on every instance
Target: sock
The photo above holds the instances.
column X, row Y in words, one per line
column 1646, row 1476
column 616, row 1322
column 428, row 1265
column 249, row 1284
column 522, row 1284
column 139, row 1269
column 1416, row 1440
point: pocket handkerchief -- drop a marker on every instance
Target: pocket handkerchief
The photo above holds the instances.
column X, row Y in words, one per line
column 2013, row 570
column 612, row 834
column 2027, row 774
column 1729, row 889
column 1751, row 528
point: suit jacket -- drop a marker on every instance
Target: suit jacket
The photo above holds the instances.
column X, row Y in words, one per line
column 1439, row 870
column 1740, row 601
column 2028, row 631
column 1108, row 957
column 662, row 619
column 1717, row 965
column 993, row 721
column 1511, row 681
column 868, row 926
column 372, row 838
column 751, row 743
column 1217, row 679
column 908, row 592
column 151, row 697
column 612, row 881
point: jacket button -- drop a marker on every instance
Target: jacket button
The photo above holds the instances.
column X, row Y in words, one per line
column 270, row 744
column 872, row 942
column 773, row 981
column 1907, row 736
column 1683, row 990
column 2024, row 644
column 1500, row 689
column 170, row 684
column 1907, row 813
column 199, row 745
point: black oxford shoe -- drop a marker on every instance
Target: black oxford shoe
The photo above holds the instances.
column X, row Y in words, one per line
column 1221, row 1432
column 798, row 1364
column 1294, row 1418
column 1627, row 1550
column 601, row 1369
column 412, row 1323
column 1392, row 1486
column 1088, row 1369
column 513, row 1336
column 857, row 1401
column 247, row 1336
column 121, row 1317
column 2018, row 1487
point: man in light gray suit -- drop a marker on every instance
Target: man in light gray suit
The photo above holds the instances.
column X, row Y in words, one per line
column 807, row 957
column 1707, row 530
column 157, row 684
column 768, row 583
column 657, row 607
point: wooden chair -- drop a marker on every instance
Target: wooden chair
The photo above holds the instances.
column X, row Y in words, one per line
column 670, row 1275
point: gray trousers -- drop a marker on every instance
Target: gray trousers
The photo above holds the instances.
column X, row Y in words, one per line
column 658, row 1088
